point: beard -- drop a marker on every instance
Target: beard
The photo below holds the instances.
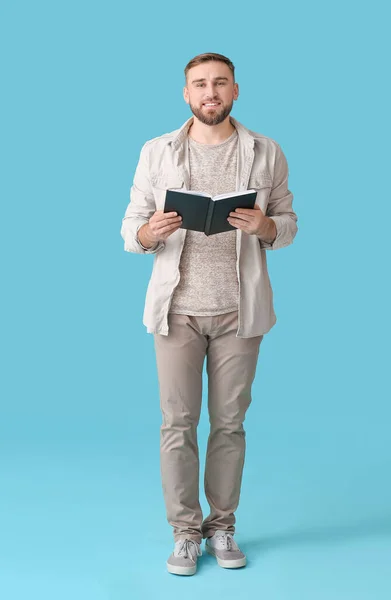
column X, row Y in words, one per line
column 213, row 117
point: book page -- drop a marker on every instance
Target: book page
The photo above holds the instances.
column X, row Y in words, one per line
column 232, row 194
column 189, row 192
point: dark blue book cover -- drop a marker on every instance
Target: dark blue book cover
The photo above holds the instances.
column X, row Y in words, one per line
column 203, row 213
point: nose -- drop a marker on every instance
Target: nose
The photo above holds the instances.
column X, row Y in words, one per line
column 210, row 92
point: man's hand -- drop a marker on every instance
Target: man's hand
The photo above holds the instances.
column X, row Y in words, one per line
column 253, row 222
column 160, row 226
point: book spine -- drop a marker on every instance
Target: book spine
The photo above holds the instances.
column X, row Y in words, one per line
column 209, row 217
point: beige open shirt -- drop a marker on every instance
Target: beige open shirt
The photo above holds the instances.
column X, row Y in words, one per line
column 163, row 164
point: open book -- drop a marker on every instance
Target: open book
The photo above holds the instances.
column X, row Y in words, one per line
column 201, row 212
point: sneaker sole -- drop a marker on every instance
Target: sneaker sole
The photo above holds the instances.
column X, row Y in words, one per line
column 177, row 570
column 227, row 564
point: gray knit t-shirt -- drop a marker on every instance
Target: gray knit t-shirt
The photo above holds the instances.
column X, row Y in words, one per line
column 208, row 280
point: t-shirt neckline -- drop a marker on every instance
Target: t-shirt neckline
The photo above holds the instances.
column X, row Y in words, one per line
column 211, row 146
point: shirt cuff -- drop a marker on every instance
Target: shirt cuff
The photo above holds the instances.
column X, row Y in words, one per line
column 152, row 249
column 280, row 241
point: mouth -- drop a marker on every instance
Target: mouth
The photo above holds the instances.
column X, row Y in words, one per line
column 211, row 104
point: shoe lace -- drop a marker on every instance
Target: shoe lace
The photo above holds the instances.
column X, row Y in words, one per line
column 227, row 540
column 186, row 547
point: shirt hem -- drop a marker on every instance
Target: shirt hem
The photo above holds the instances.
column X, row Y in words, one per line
column 192, row 313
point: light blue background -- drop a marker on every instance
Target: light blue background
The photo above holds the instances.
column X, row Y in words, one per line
column 84, row 85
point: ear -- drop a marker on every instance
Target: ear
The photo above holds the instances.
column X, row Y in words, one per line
column 186, row 94
column 236, row 91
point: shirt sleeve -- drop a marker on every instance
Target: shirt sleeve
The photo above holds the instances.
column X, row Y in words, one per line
column 280, row 206
column 140, row 208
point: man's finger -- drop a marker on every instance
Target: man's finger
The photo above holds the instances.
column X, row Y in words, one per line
column 237, row 222
column 165, row 222
column 241, row 216
column 248, row 211
column 164, row 215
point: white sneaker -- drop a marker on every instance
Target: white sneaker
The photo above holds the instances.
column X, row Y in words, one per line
column 183, row 561
column 225, row 549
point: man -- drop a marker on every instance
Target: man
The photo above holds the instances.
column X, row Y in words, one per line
column 207, row 296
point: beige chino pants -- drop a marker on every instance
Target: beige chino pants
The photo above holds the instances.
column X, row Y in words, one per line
column 231, row 366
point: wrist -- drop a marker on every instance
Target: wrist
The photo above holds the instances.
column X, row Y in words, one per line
column 268, row 232
column 145, row 236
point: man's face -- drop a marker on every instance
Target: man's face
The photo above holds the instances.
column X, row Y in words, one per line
column 210, row 92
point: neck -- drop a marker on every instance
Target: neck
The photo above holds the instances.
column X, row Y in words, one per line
column 210, row 134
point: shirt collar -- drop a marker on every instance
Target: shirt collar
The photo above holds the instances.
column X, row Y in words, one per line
column 244, row 134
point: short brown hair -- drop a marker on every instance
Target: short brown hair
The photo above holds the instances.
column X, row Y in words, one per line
column 201, row 58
